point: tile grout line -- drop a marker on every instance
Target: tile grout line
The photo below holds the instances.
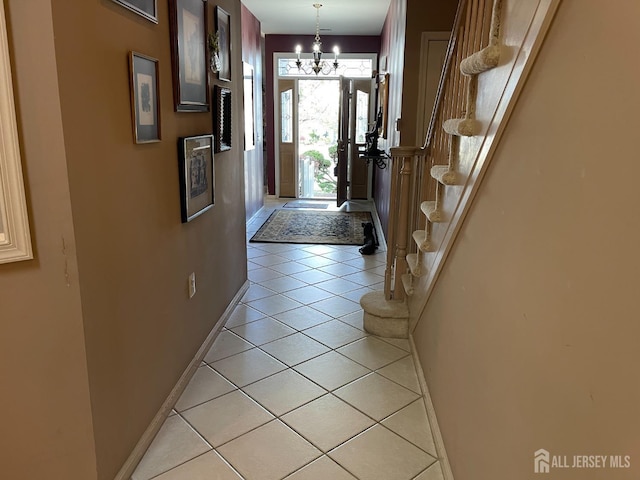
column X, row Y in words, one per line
column 364, row 265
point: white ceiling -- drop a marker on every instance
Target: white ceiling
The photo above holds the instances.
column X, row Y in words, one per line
column 337, row 17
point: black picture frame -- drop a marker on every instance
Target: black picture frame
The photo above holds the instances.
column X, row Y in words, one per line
column 223, row 27
column 144, row 84
column 188, row 30
column 197, row 175
column 222, row 119
column 145, row 8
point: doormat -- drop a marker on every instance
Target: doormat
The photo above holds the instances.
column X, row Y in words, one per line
column 299, row 204
column 300, row 226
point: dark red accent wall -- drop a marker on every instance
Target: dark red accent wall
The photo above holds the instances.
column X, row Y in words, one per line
column 287, row 43
column 392, row 47
column 253, row 159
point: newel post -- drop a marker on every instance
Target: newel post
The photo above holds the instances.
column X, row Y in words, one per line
column 402, row 158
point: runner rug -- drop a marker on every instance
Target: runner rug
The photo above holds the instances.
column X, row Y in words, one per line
column 301, row 226
column 298, row 204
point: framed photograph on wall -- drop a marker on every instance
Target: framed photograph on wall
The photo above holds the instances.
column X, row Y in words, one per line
column 222, row 120
column 15, row 236
column 145, row 100
column 145, row 8
column 223, row 27
column 383, row 102
column 197, row 176
column 188, row 28
column 249, row 117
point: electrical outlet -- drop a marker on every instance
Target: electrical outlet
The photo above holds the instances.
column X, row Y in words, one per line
column 192, row 285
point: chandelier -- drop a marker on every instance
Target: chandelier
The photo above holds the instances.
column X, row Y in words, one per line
column 317, row 65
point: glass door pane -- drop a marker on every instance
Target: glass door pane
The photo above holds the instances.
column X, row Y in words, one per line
column 286, row 109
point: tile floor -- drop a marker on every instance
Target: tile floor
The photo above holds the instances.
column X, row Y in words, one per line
column 293, row 388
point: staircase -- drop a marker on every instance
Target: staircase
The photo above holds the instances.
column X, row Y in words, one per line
column 492, row 49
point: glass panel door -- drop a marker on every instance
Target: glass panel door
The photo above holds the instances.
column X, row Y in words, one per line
column 286, row 140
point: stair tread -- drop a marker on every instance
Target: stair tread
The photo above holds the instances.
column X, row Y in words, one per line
column 375, row 303
column 481, row 61
column 415, row 266
column 429, row 209
column 444, row 174
column 407, row 283
column 420, row 237
column 461, row 127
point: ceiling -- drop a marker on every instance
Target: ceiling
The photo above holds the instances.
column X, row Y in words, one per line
column 337, row 17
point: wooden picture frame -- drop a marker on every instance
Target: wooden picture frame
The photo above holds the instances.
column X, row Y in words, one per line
column 223, row 118
column 223, row 27
column 144, row 81
column 145, row 8
column 15, row 236
column 383, row 103
column 197, row 176
column 188, row 30
column 249, row 115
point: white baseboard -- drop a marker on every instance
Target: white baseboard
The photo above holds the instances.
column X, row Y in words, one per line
column 382, row 242
column 147, row 437
column 431, row 415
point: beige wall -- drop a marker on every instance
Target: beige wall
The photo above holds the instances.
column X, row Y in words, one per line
column 47, row 428
column 530, row 337
column 124, row 330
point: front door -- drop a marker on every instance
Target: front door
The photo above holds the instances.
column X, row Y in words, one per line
column 359, row 171
column 343, row 140
column 286, row 136
column 353, row 173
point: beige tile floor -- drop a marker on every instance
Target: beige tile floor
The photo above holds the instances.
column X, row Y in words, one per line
column 293, row 388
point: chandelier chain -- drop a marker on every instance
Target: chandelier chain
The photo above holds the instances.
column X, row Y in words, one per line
column 317, row 6
column 317, row 65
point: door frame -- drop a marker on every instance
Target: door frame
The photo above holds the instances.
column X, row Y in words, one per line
column 276, row 105
column 425, row 105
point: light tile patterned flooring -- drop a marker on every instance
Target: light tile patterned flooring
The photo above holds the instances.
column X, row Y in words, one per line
column 293, row 387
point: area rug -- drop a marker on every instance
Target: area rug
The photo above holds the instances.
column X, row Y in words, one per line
column 301, row 226
column 299, row 204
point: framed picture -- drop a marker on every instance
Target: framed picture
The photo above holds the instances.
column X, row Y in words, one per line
column 383, row 102
column 145, row 101
column 223, row 26
column 15, row 236
column 146, row 8
column 223, row 119
column 189, row 55
column 197, row 178
column 249, row 117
